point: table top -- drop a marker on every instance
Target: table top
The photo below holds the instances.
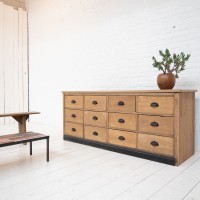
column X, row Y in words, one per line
column 12, row 138
column 18, row 114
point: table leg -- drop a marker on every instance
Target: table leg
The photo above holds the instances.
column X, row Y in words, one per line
column 21, row 122
column 48, row 149
column 30, row 147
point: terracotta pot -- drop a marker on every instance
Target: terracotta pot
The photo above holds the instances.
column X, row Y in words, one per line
column 166, row 81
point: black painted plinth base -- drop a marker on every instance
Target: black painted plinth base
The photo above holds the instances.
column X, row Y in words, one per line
column 124, row 150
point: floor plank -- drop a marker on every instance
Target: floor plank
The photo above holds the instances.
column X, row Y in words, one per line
column 82, row 172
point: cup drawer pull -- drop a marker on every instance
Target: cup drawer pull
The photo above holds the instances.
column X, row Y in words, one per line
column 94, row 102
column 73, row 101
column 154, row 105
column 73, row 129
column 154, row 143
column 95, row 118
column 120, row 103
column 73, row 116
column 121, row 121
column 95, row 133
column 154, row 124
column 122, row 138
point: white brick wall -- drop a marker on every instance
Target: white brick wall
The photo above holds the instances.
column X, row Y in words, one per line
column 107, row 45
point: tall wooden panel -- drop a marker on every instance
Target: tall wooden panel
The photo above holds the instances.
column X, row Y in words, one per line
column 1, row 65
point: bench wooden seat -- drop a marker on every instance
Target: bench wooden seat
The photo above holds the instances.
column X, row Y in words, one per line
column 18, row 138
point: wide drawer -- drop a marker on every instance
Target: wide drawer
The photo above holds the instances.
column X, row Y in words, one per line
column 95, row 133
column 74, row 115
column 122, row 138
column 72, row 129
column 73, row 101
column 95, row 102
column 155, row 104
column 155, row 124
column 95, row 118
column 121, row 103
column 156, row 144
column 122, row 121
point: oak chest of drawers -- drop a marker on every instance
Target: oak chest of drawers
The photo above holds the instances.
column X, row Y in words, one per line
column 152, row 124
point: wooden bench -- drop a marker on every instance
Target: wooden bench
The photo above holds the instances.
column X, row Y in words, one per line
column 22, row 136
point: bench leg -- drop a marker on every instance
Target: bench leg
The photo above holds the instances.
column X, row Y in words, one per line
column 30, row 147
column 47, row 149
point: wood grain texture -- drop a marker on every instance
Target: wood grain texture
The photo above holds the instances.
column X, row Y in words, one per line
column 73, row 101
column 165, row 144
column 95, row 118
column 95, row 102
column 73, row 129
column 122, row 138
column 95, row 133
column 74, row 115
column 121, row 103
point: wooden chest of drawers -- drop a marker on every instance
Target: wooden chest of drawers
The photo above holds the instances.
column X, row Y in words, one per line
column 155, row 124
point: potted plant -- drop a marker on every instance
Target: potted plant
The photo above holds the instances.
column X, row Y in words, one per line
column 171, row 66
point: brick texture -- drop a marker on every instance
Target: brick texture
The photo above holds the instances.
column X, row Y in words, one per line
column 108, row 45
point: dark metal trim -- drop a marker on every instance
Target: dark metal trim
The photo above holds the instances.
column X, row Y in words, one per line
column 124, row 150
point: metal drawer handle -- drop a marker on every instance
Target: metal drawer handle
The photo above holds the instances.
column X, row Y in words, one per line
column 121, row 121
column 120, row 103
column 95, row 133
column 73, row 129
column 154, row 143
column 122, row 138
column 154, row 124
column 94, row 102
column 95, row 118
column 73, row 116
column 154, row 105
column 73, row 101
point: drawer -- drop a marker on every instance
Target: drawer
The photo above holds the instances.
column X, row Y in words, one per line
column 155, row 124
column 156, row 144
column 72, row 129
column 73, row 101
column 155, row 104
column 95, row 118
column 74, row 115
column 95, row 102
column 122, row 138
column 95, row 133
column 123, row 121
column 121, row 103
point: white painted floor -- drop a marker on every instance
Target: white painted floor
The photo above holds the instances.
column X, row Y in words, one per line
column 77, row 171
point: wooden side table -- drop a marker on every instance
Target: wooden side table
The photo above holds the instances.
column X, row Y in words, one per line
column 22, row 136
column 21, row 118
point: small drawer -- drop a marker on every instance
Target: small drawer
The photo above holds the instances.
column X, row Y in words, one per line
column 156, row 124
column 122, row 121
column 156, row 104
column 73, row 101
column 156, row 144
column 95, row 133
column 122, row 138
column 95, row 102
column 95, row 118
column 74, row 116
column 72, row 129
column 121, row 103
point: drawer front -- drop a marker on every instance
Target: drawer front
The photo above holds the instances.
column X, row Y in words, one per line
column 95, row 102
column 156, row 144
column 155, row 104
column 122, row 138
column 123, row 121
column 74, row 116
column 72, row 129
column 73, row 101
column 95, row 118
column 121, row 103
column 95, row 133
column 155, row 124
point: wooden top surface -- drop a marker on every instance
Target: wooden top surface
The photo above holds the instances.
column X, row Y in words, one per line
column 126, row 91
column 12, row 138
column 18, row 114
